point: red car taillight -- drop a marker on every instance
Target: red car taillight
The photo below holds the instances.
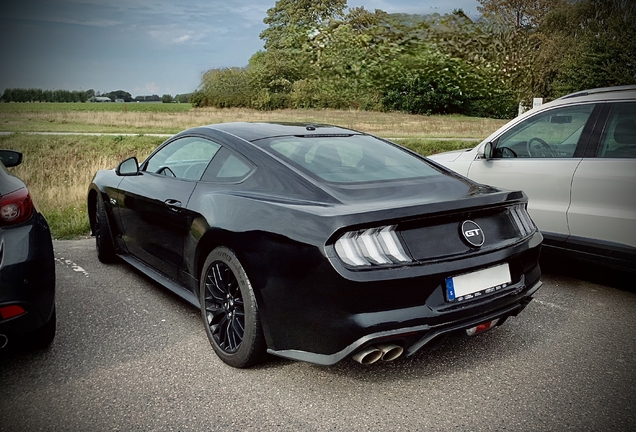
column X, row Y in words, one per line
column 15, row 207
column 7, row 312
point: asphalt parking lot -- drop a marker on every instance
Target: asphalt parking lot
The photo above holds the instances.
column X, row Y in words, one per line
column 129, row 355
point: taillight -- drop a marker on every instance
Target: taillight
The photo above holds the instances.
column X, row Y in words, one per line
column 522, row 220
column 16, row 207
column 375, row 246
column 7, row 312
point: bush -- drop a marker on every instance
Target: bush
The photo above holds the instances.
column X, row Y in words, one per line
column 501, row 104
column 304, row 94
column 430, row 83
column 197, row 99
column 418, row 94
column 226, row 88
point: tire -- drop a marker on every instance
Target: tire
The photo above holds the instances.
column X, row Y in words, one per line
column 229, row 310
column 43, row 337
column 103, row 239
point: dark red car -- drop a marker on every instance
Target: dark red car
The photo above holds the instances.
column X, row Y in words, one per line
column 27, row 264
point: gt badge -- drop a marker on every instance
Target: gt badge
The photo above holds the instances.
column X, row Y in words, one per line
column 472, row 233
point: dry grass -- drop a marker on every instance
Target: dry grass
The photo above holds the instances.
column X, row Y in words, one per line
column 58, row 170
column 391, row 125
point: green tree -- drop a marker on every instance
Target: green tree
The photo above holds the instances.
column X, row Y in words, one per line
column 197, row 99
column 595, row 41
column 519, row 13
column 347, row 56
column 119, row 94
column 166, row 98
column 183, row 98
column 7, row 95
column 316, row 55
column 290, row 18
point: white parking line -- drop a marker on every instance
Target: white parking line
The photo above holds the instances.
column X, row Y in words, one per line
column 551, row 305
column 73, row 266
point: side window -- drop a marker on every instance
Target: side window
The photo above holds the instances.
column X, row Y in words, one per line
column 227, row 167
column 185, row 158
column 233, row 168
column 550, row 134
column 619, row 138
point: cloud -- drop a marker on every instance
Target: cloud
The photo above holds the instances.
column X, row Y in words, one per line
column 176, row 35
column 148, row 89
column 252, row 14
column 182, row 39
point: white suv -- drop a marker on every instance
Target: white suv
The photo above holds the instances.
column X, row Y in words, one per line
column 575, row 158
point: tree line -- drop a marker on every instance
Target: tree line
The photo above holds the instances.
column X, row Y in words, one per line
column 39, row 95
column 321, row 54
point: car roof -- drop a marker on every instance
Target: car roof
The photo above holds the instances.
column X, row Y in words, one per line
column 605, row 93
column 601, row 94
column 256, row 131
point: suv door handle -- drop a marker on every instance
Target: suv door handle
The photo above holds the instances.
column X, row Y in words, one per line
column 174, row 205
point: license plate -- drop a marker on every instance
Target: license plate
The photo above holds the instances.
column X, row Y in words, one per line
column 475, row 284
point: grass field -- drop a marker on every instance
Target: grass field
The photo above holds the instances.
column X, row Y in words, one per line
column 59, row 168
column 141, row 118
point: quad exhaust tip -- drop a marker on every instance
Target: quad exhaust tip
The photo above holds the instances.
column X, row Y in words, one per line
column 390, row 351
column 385, row 352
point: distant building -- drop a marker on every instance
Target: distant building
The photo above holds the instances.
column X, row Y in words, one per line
column 119, row 100
column 100, row 99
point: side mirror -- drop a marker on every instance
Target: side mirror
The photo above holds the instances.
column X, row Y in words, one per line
column 486, row 151
column 129, row 167
column 10, row 158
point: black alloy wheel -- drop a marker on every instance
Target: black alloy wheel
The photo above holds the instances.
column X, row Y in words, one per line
column 228, row 308
column 225, row 310
column 103, row 240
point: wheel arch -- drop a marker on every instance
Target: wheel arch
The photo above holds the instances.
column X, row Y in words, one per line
column 211, row 239
column 239, row 242
column 93, row 195
column 91, row 208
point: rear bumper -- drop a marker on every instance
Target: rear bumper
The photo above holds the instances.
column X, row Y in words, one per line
column 27, row 275
column 412, row 339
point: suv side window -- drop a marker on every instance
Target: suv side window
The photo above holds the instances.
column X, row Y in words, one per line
column 550, row 134
column 619, row 137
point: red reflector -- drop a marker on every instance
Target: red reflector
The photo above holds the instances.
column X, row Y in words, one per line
column 481, row 327
column 15, row 207
column 7, row 312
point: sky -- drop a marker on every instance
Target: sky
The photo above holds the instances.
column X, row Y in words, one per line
column 144, row 47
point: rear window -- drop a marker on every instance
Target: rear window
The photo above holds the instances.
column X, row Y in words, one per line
column 348, row 159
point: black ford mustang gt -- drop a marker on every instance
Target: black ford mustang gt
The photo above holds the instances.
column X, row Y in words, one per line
column 317, row 243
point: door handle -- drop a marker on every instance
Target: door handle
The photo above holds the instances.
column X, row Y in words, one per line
column 174, row 205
